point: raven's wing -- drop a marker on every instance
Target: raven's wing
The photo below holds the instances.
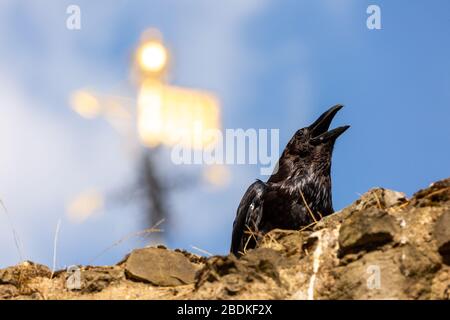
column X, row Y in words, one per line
column 248, row 216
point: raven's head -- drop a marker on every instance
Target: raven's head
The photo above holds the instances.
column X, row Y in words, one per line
column 306, row 162
column 309, row 151
column 317, row 136
column 311, row 147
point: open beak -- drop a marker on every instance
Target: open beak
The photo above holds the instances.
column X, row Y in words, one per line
column 319, row 129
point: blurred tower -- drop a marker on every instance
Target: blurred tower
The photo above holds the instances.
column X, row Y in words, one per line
column 151, row 66
column 168, row 115
column 165, row 116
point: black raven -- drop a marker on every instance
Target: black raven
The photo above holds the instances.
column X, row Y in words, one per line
column 298, row 192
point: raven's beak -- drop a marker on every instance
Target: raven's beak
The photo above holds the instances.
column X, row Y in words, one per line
column 331, row 135
column 322, row 124
column 319, row 129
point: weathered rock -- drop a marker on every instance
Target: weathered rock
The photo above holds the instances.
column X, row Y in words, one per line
column 436, row 194
column 257, row 264
column 366, row 231
column 233, row 275
column 374, row 276
column 26, row 270
column 390, row 198
column 440, row 288
column 8, row 291
column 95, row 279
column 160, row 267
column 288, row 241
column 192, row 257
column 375, row 198
column 383, row 246
column 20, row 276
column 442, row 236
column 254, row 265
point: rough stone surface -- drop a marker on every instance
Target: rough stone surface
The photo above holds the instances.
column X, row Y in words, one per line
column 442, row 235
column 95, row 279
column 383, row 246
column 160, row 267
column 15, row 281
column 366, row 230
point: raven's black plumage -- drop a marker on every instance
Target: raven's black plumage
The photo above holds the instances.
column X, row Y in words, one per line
column 299, row 188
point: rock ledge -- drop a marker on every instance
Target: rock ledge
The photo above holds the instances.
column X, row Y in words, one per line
column 383, row 246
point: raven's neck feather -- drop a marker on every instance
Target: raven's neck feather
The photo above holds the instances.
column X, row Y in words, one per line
column 312, row 181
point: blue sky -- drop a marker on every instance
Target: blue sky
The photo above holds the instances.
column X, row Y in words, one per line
column 274, row 64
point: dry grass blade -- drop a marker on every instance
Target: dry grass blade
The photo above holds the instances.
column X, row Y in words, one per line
column 308, row 226
column 403, row 205
column 252, row 235
column 209, row 254
column 437, row 192
column 378, row 201
column 270, row 241
column 398, row 208
column 129, row 236
column 55, row 243
column 245, row 246
column 15, row 235
column 307, row 207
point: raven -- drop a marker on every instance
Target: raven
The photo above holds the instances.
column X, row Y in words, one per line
column 298, row 193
